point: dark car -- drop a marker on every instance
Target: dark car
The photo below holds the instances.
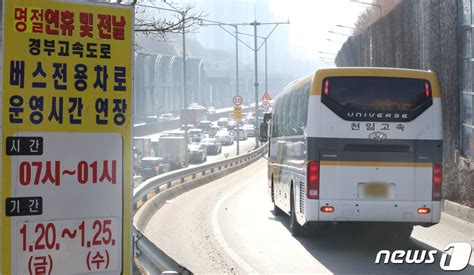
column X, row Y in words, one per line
column 213, row 146
column 153, row 166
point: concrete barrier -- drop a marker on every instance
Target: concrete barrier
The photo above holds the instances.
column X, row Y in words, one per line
column 458, row 210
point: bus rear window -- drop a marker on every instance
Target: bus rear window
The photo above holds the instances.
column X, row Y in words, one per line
column 377, row 93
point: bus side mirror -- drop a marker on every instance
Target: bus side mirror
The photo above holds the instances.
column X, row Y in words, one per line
column 263, row 132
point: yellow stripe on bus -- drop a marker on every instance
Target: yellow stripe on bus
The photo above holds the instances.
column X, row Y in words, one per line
column 375, row 163
column 317, row 83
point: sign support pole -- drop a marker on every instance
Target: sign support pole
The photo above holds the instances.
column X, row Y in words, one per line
column 237, row 79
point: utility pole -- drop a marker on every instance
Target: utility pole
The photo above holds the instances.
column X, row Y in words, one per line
column 266, row 74
column 255, row 48
column 237, row 78
column 257, row 132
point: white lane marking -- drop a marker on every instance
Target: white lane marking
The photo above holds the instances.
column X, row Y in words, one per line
column 217, row 230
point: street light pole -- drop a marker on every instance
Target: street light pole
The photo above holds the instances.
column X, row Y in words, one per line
column 185, row 92
column 236, row 36
column 237, row 78
column 346, row 27
column 380, row 7
column 339, row 33
column 335, row 41
column 257, row 132
column 185, row 96
column 266, row 75
column 327, row 53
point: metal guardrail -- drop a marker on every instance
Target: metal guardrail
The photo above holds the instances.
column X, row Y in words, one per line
column 154, row 259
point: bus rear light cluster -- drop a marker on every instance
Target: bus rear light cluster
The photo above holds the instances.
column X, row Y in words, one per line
column 327, row 209
column 423, row 210
column 312, row 183
column 437, row 182
column 427, row 89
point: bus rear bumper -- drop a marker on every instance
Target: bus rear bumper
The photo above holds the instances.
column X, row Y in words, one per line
column 379, row 211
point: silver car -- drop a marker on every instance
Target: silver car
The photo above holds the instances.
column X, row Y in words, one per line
column 225, row 138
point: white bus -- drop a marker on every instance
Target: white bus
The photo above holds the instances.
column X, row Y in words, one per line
column 357, row 145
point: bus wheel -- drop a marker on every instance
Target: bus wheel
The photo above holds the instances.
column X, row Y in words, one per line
column 295, row 228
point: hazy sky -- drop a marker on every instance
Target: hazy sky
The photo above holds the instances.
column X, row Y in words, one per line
column 310, row 21
column 291, row 47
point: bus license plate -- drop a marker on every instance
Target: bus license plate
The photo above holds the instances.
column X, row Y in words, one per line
column 376, row 190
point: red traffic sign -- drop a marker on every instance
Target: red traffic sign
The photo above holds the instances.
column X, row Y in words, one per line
column 266, row 105
column 266, row 96
column 237, row 100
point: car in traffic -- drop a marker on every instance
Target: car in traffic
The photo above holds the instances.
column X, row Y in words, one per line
column 151, row 119
column 204, row 125
column 190, row 126
column 249, row 129
column 213, row 146
column 197, row 153
column 213, row 131
column 231, row 125
column 223, row 121
column 196, row 135
column 225, row 137
column 211, row 110
column 240, row 134
column 153, row 166
column 166, row 117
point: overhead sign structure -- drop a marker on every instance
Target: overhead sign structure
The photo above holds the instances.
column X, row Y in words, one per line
column 266, row 96
column 238, row 113
column 66, row 138
column 237, row 100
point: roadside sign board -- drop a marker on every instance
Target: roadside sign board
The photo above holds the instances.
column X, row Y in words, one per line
column 266, row 96
column 237, row 100
column 266, row 104
column 66, row 138
column 238, row 113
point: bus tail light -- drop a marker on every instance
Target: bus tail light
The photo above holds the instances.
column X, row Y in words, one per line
column 312, row 183
column 326, row 87
column 427, row 89
column 423, row 210
column 327, row 209
column 437, row 182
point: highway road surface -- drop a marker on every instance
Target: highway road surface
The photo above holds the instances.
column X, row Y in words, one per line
column 227, row 226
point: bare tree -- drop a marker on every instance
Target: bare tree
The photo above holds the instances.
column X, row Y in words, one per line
column 372, row 14
column 150, row 19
